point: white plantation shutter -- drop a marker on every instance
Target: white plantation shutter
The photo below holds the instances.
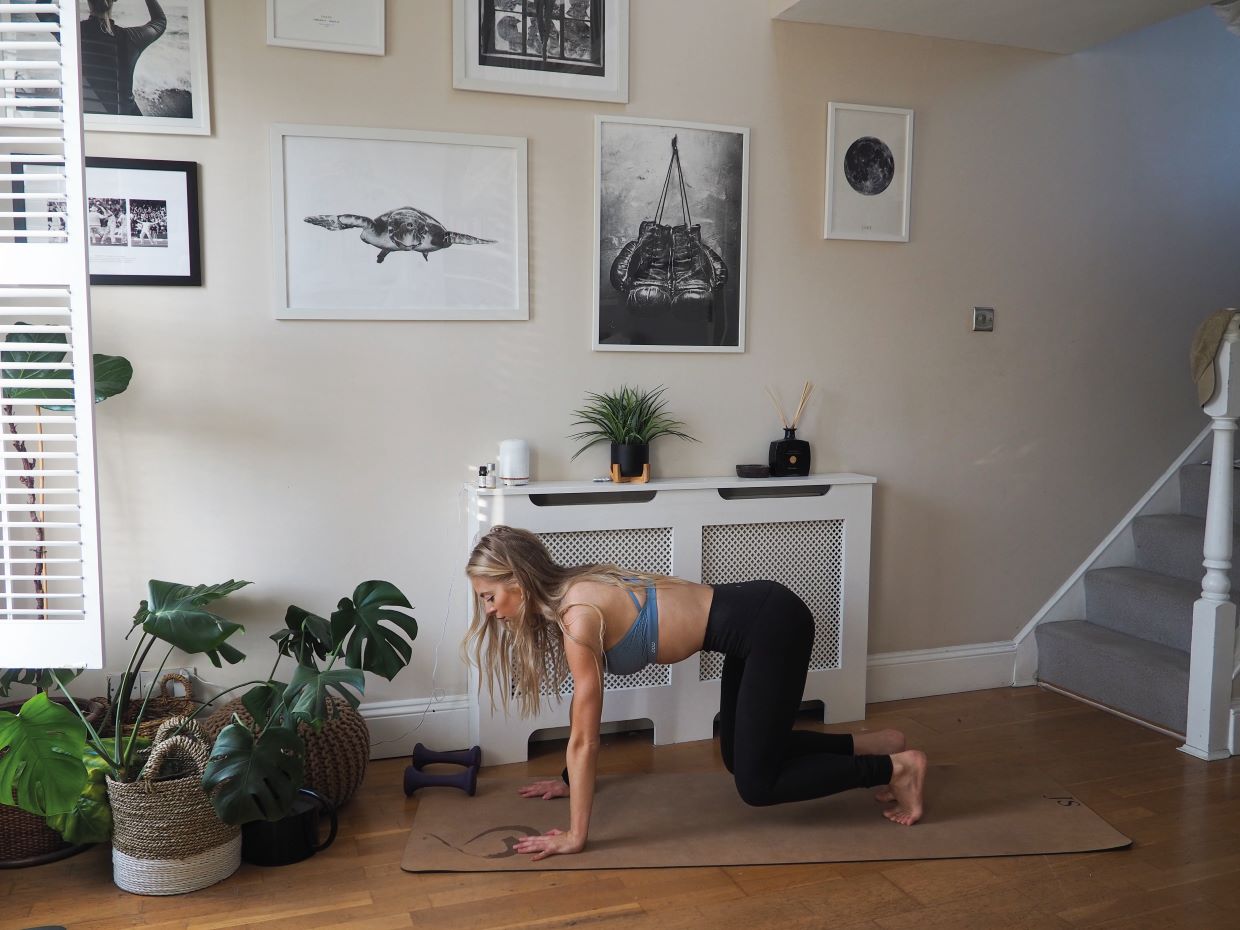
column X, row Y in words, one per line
column 50, row 613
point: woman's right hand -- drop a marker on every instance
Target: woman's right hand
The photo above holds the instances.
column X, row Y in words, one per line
column 551, row 788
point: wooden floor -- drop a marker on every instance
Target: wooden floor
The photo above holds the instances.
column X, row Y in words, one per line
column 1182, row 871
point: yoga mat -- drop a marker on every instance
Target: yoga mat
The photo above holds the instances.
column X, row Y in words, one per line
column 662, row 821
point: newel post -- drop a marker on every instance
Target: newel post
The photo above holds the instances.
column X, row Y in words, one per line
column 1212, row 659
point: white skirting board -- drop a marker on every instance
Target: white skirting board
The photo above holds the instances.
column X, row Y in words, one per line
column 396, row 725
column 894, row 676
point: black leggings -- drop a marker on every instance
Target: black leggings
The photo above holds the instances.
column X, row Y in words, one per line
column 766, row 634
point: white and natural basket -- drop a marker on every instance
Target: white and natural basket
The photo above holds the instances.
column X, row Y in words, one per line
column 166, row 836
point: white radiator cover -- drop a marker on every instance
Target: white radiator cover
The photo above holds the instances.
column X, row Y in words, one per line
column 811, row 534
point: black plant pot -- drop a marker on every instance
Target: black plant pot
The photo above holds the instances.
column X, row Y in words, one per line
column 631, row 457
column 292, row 838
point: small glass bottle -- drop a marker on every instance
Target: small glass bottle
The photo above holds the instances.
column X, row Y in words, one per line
column 482, row 476
column 491, row 482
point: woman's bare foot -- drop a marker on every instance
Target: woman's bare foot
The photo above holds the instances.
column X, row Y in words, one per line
column 908, row 781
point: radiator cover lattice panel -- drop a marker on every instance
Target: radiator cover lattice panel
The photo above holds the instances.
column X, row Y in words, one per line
column 805, row 556
column 648, row 549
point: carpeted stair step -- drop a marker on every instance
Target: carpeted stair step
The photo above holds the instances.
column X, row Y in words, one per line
column 1140, row 678
column 1144, row 604
column 1171, row 544
column 1195, row 492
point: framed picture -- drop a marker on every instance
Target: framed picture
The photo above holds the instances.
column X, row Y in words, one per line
column 670, row 208
column 142, row 217
column 142, row 221
column 869, row 166
column 548, row 48
column 149, row 72
column 327, row 25
column 393, row 224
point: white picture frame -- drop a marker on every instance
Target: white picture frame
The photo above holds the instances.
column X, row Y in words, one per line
column 869, row 166
column 444, row 216
column 493, row 49
column 169, row 78
column 640, row 164
column 353, row 26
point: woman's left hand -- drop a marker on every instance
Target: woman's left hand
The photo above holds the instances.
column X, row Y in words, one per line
column 551, row 843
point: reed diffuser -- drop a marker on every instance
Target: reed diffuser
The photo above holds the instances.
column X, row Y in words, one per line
column 790, row 456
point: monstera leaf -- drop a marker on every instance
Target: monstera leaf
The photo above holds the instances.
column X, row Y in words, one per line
column 307, row 693
column 42, row 769
column 41, row 679
column 369, row 645
column 90, row 820
column 175, row 614
column 112, row 373
column 308, row 636
column 254, row 779
column 263, row 700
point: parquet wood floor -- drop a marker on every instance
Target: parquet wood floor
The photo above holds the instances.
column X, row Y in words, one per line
column 1182, row 871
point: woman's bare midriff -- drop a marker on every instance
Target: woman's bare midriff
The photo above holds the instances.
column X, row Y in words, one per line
column 683, row 610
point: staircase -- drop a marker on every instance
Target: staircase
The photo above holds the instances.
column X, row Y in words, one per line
column 1130, row 652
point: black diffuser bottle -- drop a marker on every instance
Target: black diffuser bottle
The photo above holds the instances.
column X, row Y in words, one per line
column 789, row 456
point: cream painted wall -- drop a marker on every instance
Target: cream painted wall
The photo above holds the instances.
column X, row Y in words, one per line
column 1091, row 199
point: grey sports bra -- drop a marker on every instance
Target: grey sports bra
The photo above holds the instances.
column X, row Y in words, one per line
column 641, row 643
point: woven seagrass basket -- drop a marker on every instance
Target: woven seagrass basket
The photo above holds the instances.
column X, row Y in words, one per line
column 160, row 707
column 166, row 837
column 336, row 755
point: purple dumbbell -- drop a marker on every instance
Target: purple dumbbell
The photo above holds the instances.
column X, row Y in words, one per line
column 466, row 757
column 466, row 780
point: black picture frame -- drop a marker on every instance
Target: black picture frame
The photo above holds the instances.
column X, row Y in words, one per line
column 149, row 194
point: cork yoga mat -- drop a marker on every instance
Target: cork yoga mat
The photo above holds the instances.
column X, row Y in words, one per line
column 662, row 821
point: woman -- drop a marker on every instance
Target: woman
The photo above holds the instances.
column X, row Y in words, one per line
column 535, row 620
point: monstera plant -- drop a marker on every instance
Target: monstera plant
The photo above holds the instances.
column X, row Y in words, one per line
column 53, row 759
column 256, row 769
column 56, row 759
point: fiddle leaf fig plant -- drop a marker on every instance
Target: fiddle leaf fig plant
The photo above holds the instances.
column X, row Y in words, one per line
column 256, row 767
column 23, row 369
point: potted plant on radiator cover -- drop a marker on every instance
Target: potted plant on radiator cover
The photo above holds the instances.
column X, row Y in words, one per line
column 629, row 419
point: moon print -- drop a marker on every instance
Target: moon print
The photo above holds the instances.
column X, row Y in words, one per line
column 869, row 166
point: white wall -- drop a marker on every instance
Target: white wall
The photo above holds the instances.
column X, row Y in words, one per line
column 1091, row 199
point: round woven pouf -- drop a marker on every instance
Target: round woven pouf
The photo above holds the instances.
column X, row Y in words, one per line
column 336, row 755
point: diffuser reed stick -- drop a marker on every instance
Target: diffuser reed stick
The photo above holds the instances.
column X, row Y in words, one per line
column 805, row 392
column 778, row 408
column 796, row 418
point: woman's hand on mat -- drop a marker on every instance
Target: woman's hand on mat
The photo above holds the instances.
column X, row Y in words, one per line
column 551, row 788
column 551, row 843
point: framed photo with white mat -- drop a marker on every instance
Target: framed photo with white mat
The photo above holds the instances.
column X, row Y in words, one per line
column 868, row 174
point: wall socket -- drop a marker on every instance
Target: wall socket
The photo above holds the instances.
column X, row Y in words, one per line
column 983, row 319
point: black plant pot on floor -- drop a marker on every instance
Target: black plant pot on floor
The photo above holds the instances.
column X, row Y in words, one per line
column 630, row 461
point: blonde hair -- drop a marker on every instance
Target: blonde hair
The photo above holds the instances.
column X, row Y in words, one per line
column 523, row 657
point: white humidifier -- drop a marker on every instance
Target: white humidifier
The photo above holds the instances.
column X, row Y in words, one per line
column 514, row 461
